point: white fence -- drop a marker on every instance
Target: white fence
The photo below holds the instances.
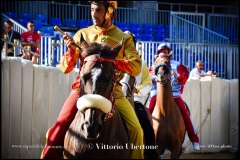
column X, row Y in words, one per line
column 32, row 96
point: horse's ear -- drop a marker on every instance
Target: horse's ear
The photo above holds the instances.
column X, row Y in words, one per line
column 83, row 42
column 117, row 47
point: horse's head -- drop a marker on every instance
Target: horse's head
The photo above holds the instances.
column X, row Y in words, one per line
column 98, row 78
column 163, row 69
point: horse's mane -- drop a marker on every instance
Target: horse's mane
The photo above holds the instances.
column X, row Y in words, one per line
column 104, row 50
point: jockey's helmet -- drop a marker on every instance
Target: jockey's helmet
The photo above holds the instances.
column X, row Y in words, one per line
column 164, row 46
column 133, row 36
column 111, row 7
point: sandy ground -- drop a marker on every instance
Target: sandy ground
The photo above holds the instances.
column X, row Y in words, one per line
column 220, row 155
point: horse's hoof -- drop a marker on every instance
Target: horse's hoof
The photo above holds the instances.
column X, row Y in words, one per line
column 161, row 156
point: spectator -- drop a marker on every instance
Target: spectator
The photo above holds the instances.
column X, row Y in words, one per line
column 128, row 60
column 11, row 35
column 179, row 76
column 198, row 71
column 32, row 39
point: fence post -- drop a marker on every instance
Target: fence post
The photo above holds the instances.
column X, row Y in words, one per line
column 29, row 52
column 14, row 48
column 4, row 49
column 52, row 53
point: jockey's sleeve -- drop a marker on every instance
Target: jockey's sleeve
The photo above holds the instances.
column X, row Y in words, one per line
column 131, row 64
column 146, row 82
column 70, row 58
column 184, row 74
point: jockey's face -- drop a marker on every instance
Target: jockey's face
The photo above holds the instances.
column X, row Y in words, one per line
column 98, row 12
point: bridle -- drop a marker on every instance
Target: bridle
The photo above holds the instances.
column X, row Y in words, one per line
column 112, row 95
column 130, row 88
column 163, row 78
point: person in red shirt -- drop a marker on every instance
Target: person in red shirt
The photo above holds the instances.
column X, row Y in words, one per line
column 32, row 39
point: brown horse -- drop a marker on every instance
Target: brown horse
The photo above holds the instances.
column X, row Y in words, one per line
column 168, row 123
column 91, row 135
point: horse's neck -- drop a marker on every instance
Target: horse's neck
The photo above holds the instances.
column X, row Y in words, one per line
column 164, row 101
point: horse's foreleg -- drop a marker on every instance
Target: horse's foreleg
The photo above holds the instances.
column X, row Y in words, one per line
column 175, row 153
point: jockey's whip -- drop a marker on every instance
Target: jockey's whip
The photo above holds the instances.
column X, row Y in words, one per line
column 56, row 28
column 146, row 99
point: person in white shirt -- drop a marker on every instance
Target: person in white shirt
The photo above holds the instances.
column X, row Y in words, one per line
column 198, row 71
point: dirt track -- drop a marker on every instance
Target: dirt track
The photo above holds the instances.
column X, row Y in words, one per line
column 221, row 155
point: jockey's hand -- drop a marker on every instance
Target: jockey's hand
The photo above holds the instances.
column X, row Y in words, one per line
column 173, row 73
column 68, row 41
column 135, row 90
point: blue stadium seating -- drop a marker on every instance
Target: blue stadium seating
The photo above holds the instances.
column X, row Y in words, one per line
column 82, row 23
column 146, row 32
column 158, row 37
column 58, row 36
column 69, row 23
column 147, row 28
column 146, row 36
column 55, row 22
column 122, row 26
column 159, row 33
column 26, row 16
column 12, row 15
column 135, row 29
column 38, row 25
column 23, row 22
column 47, row 31
column 159, row 29
column 42, row 18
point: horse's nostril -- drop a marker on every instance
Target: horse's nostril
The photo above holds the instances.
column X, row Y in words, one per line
column 85, row 126
column 92, row 129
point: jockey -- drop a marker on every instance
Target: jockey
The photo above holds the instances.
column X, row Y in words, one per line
column 179, row 76
column 143, row 82
column 128, row 60
column 141, row 91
